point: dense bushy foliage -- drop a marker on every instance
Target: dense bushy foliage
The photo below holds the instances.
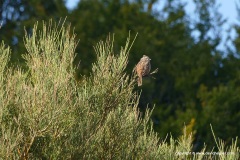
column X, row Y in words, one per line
column 46, row 113
column 197, row 83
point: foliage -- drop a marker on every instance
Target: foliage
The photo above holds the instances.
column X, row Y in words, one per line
column 20, row 14
column 47, row 114
column 195, row 78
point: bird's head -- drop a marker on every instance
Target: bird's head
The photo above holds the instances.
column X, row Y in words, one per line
column 146, row 58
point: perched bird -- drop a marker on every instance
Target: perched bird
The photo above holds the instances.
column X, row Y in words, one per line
column 143, row 68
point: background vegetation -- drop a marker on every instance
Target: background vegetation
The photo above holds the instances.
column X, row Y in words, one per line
column 45, row 113
column 197, row 83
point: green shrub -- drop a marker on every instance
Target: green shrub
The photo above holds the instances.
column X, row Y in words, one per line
column 46, row 114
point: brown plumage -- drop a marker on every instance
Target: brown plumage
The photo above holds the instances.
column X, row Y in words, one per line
column 143, row 68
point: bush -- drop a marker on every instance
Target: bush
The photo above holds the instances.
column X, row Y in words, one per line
column 46, row 114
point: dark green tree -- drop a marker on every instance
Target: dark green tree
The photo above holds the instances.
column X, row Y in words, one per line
column 220, row 99
column 18, row 15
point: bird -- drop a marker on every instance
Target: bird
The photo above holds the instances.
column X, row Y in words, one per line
column 143, row 68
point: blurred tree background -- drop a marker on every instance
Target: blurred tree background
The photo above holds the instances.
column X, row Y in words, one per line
column 197, row 84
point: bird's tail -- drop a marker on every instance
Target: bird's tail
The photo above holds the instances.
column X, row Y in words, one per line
column 139, row 81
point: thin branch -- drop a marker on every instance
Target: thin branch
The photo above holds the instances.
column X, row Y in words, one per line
column 153, row 72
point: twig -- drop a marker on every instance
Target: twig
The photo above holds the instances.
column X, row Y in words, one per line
column 153, row 72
